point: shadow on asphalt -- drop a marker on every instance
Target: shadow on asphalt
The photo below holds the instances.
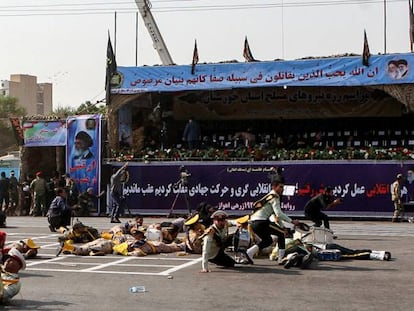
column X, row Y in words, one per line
column 24, row 304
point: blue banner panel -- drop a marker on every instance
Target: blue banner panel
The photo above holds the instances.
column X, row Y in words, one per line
column 343, row 71
column 44, row 133
column 364, row 186
column 83, row 152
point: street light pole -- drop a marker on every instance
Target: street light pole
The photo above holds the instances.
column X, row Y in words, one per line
column 385, row 26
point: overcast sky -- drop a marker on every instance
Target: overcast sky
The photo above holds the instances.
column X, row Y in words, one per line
column 64, row 42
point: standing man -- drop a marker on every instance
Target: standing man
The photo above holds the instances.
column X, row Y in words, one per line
column 14, row 193
column 215, row 240
column 117, row 191
column 4, row 191
column 263, row 227
column 313, row 208
column 39, row 189
column 396, row 198
column 191, row 133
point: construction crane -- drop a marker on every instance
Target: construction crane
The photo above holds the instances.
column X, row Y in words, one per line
column 144, row 8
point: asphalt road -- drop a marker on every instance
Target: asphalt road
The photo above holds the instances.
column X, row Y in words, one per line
column 173, row 282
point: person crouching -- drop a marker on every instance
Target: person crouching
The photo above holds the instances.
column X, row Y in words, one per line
column 59, row 212
column 215, row 240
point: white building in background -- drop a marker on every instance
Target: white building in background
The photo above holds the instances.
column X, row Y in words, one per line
column 35, row 97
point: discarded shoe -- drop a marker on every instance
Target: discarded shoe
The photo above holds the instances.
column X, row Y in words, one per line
column 249, row 260
column 96, row 253
column 387, row 256
column 291, row 260
column 114, row 220
column 306, row 261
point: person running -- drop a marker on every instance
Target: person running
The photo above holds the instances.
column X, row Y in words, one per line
column 117, row 190
column 314, row 207
column 270, row 205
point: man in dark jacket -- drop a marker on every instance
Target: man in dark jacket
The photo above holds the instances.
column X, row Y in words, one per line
column 314, row 207
column 192, row 134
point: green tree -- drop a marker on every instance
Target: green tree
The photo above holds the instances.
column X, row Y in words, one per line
column 90, row 108
column 63, row 112
column 8, row 108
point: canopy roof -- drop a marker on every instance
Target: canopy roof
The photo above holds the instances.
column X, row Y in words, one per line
column 390, row 69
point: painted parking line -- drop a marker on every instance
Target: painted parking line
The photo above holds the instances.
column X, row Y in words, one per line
column 180, row 267
column 121, row 263
column 112, row 265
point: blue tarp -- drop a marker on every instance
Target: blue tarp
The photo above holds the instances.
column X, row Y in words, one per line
column 341, row 71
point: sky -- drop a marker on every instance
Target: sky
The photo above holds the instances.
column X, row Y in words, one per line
column 64, row 42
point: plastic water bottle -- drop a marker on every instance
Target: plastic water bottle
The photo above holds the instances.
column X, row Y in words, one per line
column 137, row 289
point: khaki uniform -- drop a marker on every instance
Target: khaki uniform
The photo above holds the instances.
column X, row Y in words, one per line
column 214, row 243
column 99, row 246
column 154, row 247
column 396, row 199
column 193, row 243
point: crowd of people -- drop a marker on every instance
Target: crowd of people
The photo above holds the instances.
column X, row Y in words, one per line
column 267, row 230
column 207, row 232
column 38, row 196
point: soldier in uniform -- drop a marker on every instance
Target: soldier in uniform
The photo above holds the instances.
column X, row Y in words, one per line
column 39, row 188
column 194, row 230
column 79, row 233
column 141, row 247
column 28, row 248
column 262, row 225
column 10, row 281
column 100, row 246
column 215, row 240
column 396, row 198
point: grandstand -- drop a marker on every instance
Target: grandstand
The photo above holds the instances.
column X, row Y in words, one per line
column 314, row 109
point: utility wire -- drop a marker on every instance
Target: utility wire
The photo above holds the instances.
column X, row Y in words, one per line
column 85, row 8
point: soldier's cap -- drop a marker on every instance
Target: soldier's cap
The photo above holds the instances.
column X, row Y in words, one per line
column 399, row 176
column 30, row 243
column 15, row 254
column 192, row 220
column 243, row 220
column 219, row 215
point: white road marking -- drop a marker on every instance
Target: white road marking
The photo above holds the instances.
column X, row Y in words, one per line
column 112, row 263
column 176, row 268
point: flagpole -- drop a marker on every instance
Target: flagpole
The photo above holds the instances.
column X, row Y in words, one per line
column 283, row 35
column 385, row 26
column 136, row 39
column 115, row 33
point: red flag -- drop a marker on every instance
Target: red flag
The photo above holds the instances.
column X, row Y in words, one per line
column 247, row 53
column 411, row 15
column 195, row 58
column 365, row 54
